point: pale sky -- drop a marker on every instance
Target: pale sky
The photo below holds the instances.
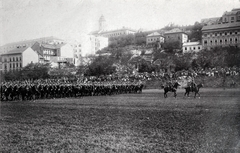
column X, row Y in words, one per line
column 72, row 19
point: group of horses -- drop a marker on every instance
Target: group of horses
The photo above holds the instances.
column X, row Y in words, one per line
column 46, row 91
column 188, row 89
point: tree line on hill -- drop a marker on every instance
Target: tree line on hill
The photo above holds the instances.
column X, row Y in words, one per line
column 127, row 63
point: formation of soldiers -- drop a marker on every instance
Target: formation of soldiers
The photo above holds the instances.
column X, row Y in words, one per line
column 31, row 90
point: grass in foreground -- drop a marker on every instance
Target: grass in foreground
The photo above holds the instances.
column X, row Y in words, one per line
column 124, row 123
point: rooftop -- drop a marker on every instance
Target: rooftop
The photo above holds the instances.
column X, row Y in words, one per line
column 191, row 43
column 110, row 31
column 51, row 38
column 15, row 51
column 154, row 34
column 53, row 46
column 175, row 30
column 222, row 26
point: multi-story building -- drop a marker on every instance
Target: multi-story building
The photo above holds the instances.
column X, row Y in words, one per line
column 221, row 35
column 91, row 44
column 111, row 33
column 176, row 35
column 17, row 58
column 77, row 51
column 231, row 17
column 189, row 47
column 154, row 37
column 227, row 17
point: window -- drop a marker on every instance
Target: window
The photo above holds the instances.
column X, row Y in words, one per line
column 215, row 34
column 16, row 64
column 199, row 47
column 20, row 64
column 13, row 65
column 5, row 60
column 230, row 39
column 205, row 41
column 185, row 48
column 236, row 39
column 220, row 41
column 230, row 32
column 16, row 58
column 13, row 59
column 225, row 40
column 10, row 65
column 232, row 18
column 220, row 34
column 235, row 32
column 211, row 41
column 19, row 58
column 225, row 33
column 193, row 48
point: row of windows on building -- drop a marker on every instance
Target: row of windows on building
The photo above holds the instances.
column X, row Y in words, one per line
column 116, row 34
column 220, row 34
column 49, row 52
column 153, row 39
column 194, row 48
column 13, row 65
column 232, row 19
column 12, row 59
column 225, row 41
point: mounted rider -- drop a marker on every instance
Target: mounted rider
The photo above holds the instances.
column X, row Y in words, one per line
column 192, row 84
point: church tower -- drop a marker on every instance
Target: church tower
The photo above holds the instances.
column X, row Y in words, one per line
column 102, row 23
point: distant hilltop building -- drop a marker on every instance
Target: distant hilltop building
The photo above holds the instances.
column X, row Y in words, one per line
column 210, row 21
column 102, row 31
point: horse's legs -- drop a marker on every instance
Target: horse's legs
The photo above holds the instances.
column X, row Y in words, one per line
column 196, row 94
column 165, row 94
column 175, row 94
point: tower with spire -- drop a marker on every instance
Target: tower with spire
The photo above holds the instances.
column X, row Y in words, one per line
column 102, row 23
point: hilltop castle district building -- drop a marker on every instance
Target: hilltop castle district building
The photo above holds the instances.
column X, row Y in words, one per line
column 218, row 31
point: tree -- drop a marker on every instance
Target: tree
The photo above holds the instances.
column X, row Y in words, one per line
column 101, row 66
column 196, row 32
column 35, row 71
column 170, row 46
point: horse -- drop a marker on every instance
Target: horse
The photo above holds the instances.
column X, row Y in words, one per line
column 171, row 88
column 193, row 89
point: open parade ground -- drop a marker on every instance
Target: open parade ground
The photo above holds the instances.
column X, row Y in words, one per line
column 145, row 122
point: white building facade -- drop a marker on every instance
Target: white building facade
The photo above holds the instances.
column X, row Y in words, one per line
column 189, row 47
column 18, row 58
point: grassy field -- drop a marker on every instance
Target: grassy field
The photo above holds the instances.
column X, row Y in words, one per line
column 125, row 123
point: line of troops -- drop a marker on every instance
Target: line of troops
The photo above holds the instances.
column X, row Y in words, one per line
column 44, row 90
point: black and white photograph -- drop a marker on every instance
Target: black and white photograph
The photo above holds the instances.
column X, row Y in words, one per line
column 120, row 76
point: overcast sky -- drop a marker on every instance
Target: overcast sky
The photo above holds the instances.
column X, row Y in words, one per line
column 71, row 19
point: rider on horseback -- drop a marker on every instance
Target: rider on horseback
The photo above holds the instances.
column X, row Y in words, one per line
column 170, row 84
column 192, row 85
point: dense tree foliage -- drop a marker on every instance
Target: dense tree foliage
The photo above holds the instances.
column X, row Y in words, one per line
column 102, row 65
column 30, row 71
